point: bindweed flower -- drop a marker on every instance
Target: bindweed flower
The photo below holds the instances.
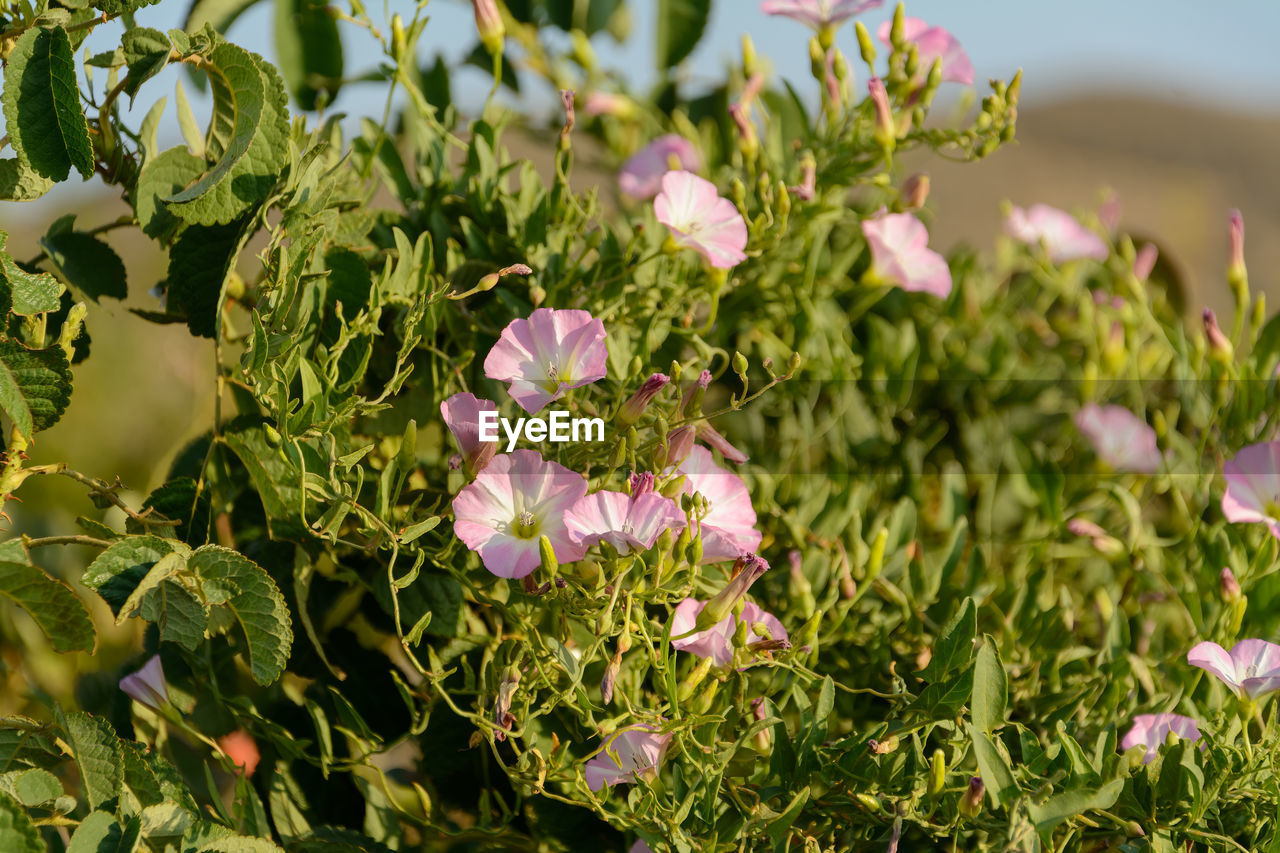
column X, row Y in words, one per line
column 679, row 445
column 629, row 755
column 971, row 802
column 933, row 43
column 547, row 354
column 700, row 219
column 716, row 642
column 1150, row 730
column 147, row 685
column 641, row 175
column 819, row 13
column 516, row 499
column 461, row 414
column 489, row 24
column 1145, row 261
column 710, row 436
column 1062, row 235
column 747, row 569
column 635, row 405
column 1120, row 438
column 627, row 522
column 640, row 847
column 1251, row 669
column 728, row 528
column 1253, row 486
column 900, row 254
column 242, row 749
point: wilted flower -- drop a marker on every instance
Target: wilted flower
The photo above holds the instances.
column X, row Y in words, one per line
column 1150, row 730
column 635, row 405
column 900, row 254
column 1251, row 669
column 627, row 522
column 502, row 716
column 627, row 756
column 1120, row 438
column 710, row 436
column 1253, row 486
column 461, row 414
column 819, row 13
column 747, row 569
column 242, row 749
column 641, row 175
column 516, row 499
column 547, row 354
column 728, row 528
column 147, row 685
column 700, row 219
column 1145, row 261
column 1060, row 232
column 716, row 642
column 934, row 43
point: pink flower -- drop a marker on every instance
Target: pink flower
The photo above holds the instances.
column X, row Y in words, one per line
column 1120, row 438
column 627, row 756
column 716, row 642
column 640, row 847
column 242, row 749
column 701, row 220
column 516, row 499
column 635, row 405
column 608, row 103
column 1145, row 261
column 1150, row 730
column 900, row 254
column 641, row 175
column 147, row 685
column 627, row 522
column 729, row 527
column 548, row 354
column 1253, row 486
column 1251, row 669
column 819, row 13
column 934, row 43
column 461, row 414
column 1062, row 235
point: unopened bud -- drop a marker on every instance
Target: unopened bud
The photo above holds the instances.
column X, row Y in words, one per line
column 398, row 43
column 937, row 773
column 691, row 405
column 549, row 563
column 764, row 740
column 679, row 445
column 566, row 100
column 489, row 25
column 866, row 46
column 915, row 191
column 1145, row 262
column 748, row 143
column 1235, row 233
column 635, row 405
column 1228, row 586
column 748, row 56
column 876, row 560
column 1219, row 345
column 817, row 58
column 746, row 571
column 886, row 131
column 694, row 678
column 971, row 802
column 610, row 678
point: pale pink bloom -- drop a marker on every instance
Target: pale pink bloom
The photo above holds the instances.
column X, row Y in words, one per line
column 548, row 354
column 729, row 527
column 819, row 13
column 516, row 499
column 1145, row 261
column 461, row 414
column 716, row 642
column 627, row 522
column 641, row 175
column 1120, row 438
column 934, row 43
column 900, row 254
column 1060, row 232
column 640, row 847
column 1253, row 486
column 242, row 749
column 629, row 755
column 1250, row 669
column 147, row 685
column 1150, row 730
column 701, row 220
column 607, row 103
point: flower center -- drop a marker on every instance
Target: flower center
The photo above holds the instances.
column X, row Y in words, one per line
column 1272, row 509
column 526, row 525
column 555, row 378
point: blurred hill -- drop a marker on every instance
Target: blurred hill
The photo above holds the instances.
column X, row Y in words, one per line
column 1177, row 167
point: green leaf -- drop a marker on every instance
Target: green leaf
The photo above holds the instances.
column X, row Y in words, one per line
column 121, row 567
column 181, row 618
column 993, row 768
column 166, row 567
column 255, row 600
column 27, row 293
column 199, row 263
column 238, row 844
column 36, row 786
column 680, row 26
column 990, row 687
column 19, row 182
column 35, row 386
column 955, row 648
column 273, row 477
column 218, row 13
column 96, row 750
column 247, row 138
column 41, row 103
column 17, row 833
column 116, row 7
column 184, row 501
column 100, row 832
column 87, row 264
column 160, row 178
column 1060, row 807
column 60, row 614
column 146, row 52
column 308, row 50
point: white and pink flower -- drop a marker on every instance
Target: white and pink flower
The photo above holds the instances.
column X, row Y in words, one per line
column 1120, row 438
column 547, row 354
column 729, row 527
column 900, row 254
column 641, row 175
column 819, row 13
column 627, row 522
column 716, row 642
column 1061, row 234
column 1251, row 669
column 1253, row 486
column 148, row 686
column 933, row 43
column 699, row 219
column 461, row 414
column 518, row 498
column 1150, row 730
column 628, row 756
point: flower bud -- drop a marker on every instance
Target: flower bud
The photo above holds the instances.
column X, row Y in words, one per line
column 875, row 561
column 886, row 131
column 971, row 802
column 1228, row 586
column 748, row 143
column 1219, row 345
column 799, row 588
column 502, row 705
column 748, row 56
column 937, row 773
column 866, row 46
column 610, row 678
column 691, row 405
column 1145, row 262
column 746, row 571
column 549, row 563
column 635, row 405
column 398, row 42
column 1235, row 233
column 147, row 686
column 679, row 445
column 817, row 58
column 915, row 191
column 489, row 25
column 640, row 484
column 764, row 739
column 808, row 178
column 1106, row 544
column 693, row 679
column 566, row 100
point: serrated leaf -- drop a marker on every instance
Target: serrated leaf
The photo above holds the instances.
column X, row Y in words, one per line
column 247, row 138
column 41, row 102
column 160, row 178
column 181, row 618
column 146, row 52
column 35, row 386
column 17, row 833
column 239, row 844
column 198, row 266
column 680, row 26
column 308, row 50
column 100, row 832
column 990, row 687
column 117, row 7
column 166, row 567
column 87, row 264
column 19, row 182
column 255, row 600
column 36, row 786
column 117, row 571
column 184, row 501
column 191, row 132
column 96, row 751
column 60, row 614
column 28, row 293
